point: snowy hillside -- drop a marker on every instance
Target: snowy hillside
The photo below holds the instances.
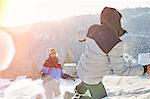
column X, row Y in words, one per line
column 32, row 42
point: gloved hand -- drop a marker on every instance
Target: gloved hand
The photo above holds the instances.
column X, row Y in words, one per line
column 147, row 69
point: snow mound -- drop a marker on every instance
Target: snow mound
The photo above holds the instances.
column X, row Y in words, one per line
column 22, row 89
column 127, row 87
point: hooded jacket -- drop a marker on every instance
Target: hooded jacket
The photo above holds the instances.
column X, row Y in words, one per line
column 104, row 37
column 104, row 50
column 107, row 35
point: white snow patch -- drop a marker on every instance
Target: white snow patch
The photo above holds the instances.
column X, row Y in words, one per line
column 144, row 58
column 127, row 87
column 20, row 89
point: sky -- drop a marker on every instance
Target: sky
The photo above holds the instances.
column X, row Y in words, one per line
column 22, row 12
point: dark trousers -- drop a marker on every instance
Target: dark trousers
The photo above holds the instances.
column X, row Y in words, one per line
column 97, row 90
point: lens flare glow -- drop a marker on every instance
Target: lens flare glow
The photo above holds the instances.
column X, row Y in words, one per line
column 24, row 12
column 2, row 9
column 7, row 50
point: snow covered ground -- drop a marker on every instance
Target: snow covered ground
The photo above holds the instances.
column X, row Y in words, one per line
column 28, row 89
column 117, row 87
column 67, row 85
column 20, row 89
column 125, row 87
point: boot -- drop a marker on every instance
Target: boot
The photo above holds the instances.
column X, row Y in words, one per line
column 69, row 95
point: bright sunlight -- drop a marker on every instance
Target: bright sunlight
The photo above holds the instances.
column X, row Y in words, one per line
column 21, row 12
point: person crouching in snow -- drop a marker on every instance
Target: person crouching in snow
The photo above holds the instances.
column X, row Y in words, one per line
column 103, row 56
column 51, row 73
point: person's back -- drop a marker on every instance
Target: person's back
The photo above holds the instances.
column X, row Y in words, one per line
column 97, row 63
column 90, row 62
column 104, row 54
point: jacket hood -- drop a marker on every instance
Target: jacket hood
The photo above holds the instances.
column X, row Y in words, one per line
column 104, row 37
column 111, row 18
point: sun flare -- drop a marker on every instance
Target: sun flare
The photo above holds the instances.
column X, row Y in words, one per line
column 7, row 50
column 2, row 9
